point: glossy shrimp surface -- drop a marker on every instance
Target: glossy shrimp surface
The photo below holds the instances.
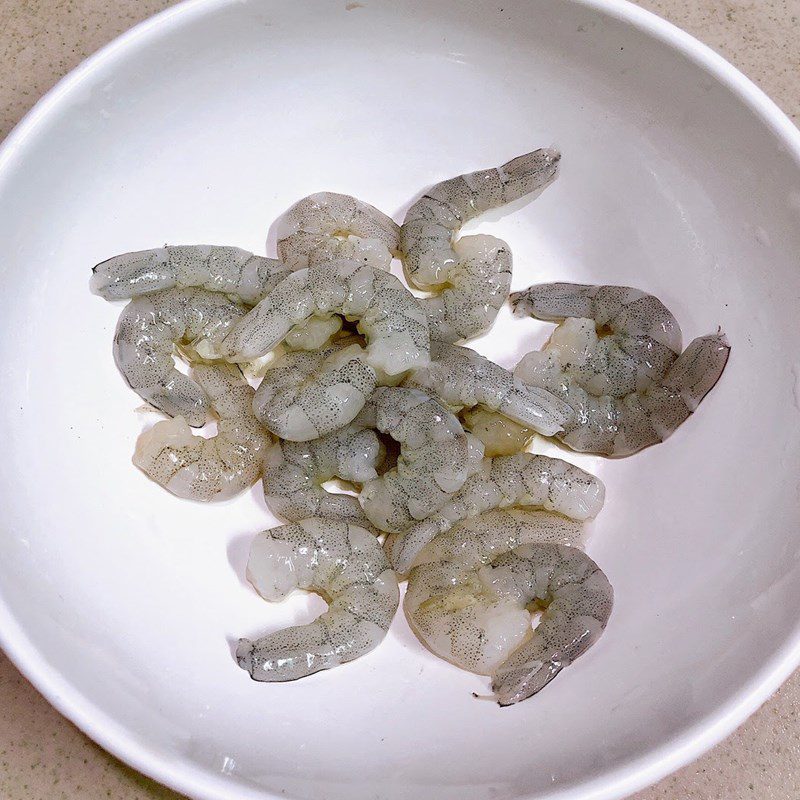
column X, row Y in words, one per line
column 327, row 226
column 212, row 267
column 390, row 317
column 477, row 287
column 518, row 480
column 213, row 468
column 501, row 435
column 295, row 471
column 436, row 457
column 470, row 591
column 618, row 365
column 305, row 395
column 342, row 562
column 462, row 378
column 148, row 330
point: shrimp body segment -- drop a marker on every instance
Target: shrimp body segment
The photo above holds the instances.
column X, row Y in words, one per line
column 619, row 369
column 462, row 378
column 390, row 317
column 436, row 457
column 476, row 289
column 426, row 236
column 472, row 275
column 523, row 479
column 216, row 468
column 327, row 226
column 295, row 471
column 148, row 329
column 305, row 395
column 344, row 563
column 468, row 598
column 214, row 268
column 501, row 436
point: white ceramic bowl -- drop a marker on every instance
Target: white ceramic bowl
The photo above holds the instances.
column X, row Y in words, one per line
column 120, row 602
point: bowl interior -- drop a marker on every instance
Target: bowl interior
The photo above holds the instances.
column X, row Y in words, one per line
column 122, row 601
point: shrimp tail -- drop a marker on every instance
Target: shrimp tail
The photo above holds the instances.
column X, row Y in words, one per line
column 530, row 172
column 664, row 408
column 244, row 654
column 578, row 609
column 699, row 367
column 512, row 686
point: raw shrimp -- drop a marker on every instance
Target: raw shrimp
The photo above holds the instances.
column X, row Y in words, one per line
column 523, row 479
column 211, row 267
column 389, row 316
column 476, row 288
column 640, row 337
column 295, row 471
column 495, row 532
column 208, row 469
column 149, row 328
column 426, row 236
column 327, row 226
column 436, row 457
column 462, row 378
column 313, row 333
column 468, row 599
column 342, row 562
column 305, row 395
column 626, row 390
column 501, row 436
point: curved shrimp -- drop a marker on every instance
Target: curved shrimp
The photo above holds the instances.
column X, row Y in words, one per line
column 477, row 286
column 208, row 469
column 390, row 317
column 295, row 471
column 462, row 378
column 345, row 564
column 501, row 436
column 305, row 395
column 468, row 598
column 327, row 226
column 212, row 267
column 523, row 479
column 426, row 236
column 626, row 390
column 436, row 457
column 150, row 326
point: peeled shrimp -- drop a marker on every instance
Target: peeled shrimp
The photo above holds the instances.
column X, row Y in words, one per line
column 501, row 436
column 313, row 333
column 468, row 598
column 389, row 316
column 523, row 479
column 628, row 389
column 229, row 270
column 346, row 565
column 436, row 457
column 149, row 328
column 211, row 267
column 305, row 395
column 426, row 236
column 295, row 471
column 476, row 288
column 462, row 378
column 327, row 226
column 208, row 469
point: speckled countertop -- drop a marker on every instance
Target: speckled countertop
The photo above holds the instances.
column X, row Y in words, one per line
column 42, row 755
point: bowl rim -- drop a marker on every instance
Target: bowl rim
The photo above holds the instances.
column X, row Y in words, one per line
column 625, row 779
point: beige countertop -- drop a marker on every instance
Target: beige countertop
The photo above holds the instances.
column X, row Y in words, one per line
column 42, row 755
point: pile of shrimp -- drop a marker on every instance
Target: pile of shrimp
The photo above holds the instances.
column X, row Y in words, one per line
column 322, row 364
